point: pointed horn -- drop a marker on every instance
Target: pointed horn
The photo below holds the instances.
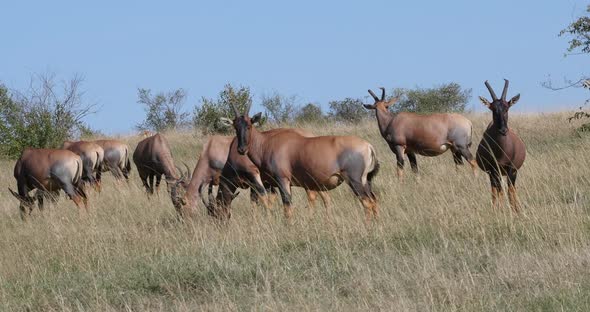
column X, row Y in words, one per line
column 22, row 199
column 382, row 93
column 373, row 95
column 505, row 91
column 15, row 194
column 492, row 93
column 179, row 172
column 247, row 111
column 236, row 111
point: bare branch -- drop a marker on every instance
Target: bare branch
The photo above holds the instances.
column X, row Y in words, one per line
column 567, row 84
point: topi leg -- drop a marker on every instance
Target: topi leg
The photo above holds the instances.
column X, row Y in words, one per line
column 311, row 199
column 497, row 193
column 413, row 162
column 512, row 190
column 285, row 190
column 398, row 150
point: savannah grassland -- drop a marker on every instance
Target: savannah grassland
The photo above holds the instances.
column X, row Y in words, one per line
column 438, row 244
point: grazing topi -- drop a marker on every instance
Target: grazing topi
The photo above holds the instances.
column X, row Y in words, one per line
column 48, row 171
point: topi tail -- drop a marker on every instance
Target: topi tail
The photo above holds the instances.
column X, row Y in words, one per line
column 127, row 161
column 371, row 175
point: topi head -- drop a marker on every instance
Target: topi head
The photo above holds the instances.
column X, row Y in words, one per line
column 499, row 106
column 380, row 103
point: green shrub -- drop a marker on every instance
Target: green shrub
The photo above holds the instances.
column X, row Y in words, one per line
column 280, row 109
column 206, row 116
column 164, row 111
column 348, row 110
column 448, row 97
column 41, row 117
column 309, row 113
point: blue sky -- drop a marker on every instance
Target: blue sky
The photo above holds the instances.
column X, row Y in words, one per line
column 317, row 50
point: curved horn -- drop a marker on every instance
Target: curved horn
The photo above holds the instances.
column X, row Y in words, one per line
column 382, row 93
column 247, row 111
column 505, row 91
column 236, row 112
column 492, row 93
column 179, row 172
column 188, row 171
column 15, row 194
column 373, row 95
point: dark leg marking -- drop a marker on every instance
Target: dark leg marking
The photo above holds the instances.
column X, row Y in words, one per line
column 457, row 157
column 158, row 180
column 413, row 162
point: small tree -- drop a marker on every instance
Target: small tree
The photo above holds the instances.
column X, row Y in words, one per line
column 281, row 109
column 579, row 30
column 206, row 117
column 309, row 113
column 43, row 116
column 348, row 110
column 444, row 98
column 164, row 111
column 581, row 113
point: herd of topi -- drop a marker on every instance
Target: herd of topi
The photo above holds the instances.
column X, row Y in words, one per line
column 276, row 159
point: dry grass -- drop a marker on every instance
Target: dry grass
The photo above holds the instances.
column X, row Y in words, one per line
column 437, row 246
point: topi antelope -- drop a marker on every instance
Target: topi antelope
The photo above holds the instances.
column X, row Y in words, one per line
column 318, row 163
column 240, row 172
column 185, row 196
column 116, row 158
column 427, row 135
column 501, row 152
column 92, row 158
column 214, row 159
column 48, row 171
column 153, row 158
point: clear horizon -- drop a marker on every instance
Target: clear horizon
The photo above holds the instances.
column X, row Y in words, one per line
column 316, row 51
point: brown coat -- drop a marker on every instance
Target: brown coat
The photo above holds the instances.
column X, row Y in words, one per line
column 153, row 158
column 48, row 171
column 426, row 135
column 92, row 156
column 240, row 172
column 501, row 152
column 316, row 163
column 116, row 158
column 216, row 161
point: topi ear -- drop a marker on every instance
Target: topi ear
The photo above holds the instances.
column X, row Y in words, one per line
column 484, row 101
column 391, row 102
column 514, row 100
column 256, row 119
column 369, row 106
column 226, row 121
